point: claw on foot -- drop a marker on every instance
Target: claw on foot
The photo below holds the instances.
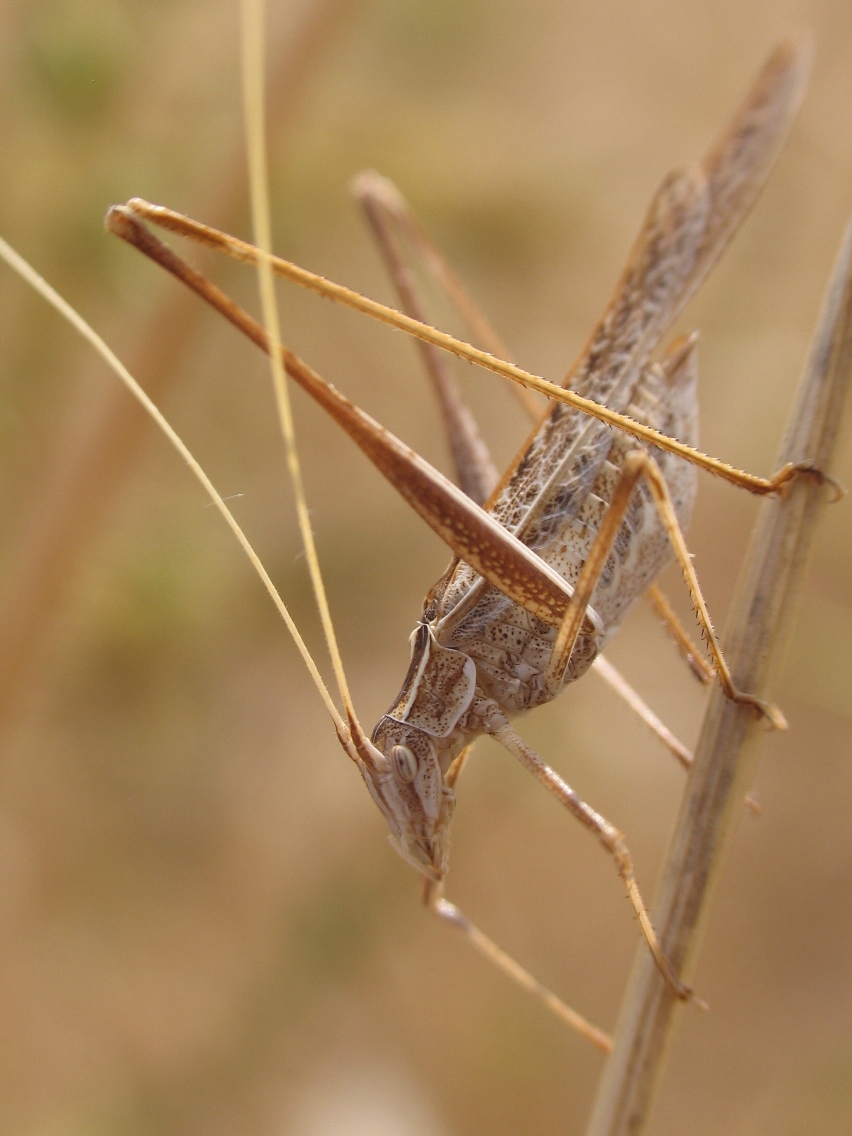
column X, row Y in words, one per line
column 768, row 710
column 696, row 1001
column 794, row 470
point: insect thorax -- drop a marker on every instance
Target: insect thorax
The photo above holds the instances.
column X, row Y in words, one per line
column 478, row 657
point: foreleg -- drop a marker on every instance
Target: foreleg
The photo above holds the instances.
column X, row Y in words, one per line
column 639, row 464
column 449, row 913
column 609, row 837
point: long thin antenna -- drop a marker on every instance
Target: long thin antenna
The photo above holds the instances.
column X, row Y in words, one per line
column 29, row 274
column 252, row 26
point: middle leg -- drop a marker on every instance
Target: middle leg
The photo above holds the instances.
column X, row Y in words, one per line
column 609, row 837
column 638, row 464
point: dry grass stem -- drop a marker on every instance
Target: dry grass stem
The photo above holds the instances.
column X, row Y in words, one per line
column 727, row 750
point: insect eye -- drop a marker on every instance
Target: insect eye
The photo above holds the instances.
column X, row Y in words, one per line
column 404, row 762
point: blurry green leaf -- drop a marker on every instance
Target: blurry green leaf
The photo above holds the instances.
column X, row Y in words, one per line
column 75, row 59
column 433, row 35
column 336, row 931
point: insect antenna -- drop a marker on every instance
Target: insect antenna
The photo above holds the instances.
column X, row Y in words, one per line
column 18, row 264
column 253, row 72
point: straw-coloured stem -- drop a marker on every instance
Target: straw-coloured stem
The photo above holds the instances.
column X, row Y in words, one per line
column 727, row 749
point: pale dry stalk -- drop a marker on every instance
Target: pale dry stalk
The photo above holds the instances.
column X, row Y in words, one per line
column 727, row 750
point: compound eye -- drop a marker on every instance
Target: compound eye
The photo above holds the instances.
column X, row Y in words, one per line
column 404, row 762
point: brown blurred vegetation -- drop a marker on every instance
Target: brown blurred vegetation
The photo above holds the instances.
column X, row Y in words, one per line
column 202, row 929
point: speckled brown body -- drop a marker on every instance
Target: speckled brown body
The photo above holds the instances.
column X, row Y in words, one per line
column 478, row 658
column 484, row 650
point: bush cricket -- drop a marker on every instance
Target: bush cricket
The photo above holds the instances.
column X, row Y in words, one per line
column 578, row 528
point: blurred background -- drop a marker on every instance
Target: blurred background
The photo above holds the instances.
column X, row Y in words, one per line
column 202, row 928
